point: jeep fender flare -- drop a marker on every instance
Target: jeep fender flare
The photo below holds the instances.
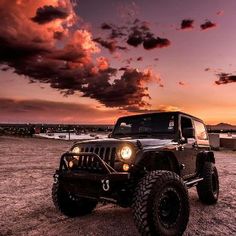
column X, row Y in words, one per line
column 202, row 157
column 159, row 160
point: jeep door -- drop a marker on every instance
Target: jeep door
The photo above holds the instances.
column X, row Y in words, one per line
column 188, row 148
column 201, row 134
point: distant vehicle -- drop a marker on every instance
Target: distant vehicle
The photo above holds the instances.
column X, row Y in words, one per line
column 147, row 163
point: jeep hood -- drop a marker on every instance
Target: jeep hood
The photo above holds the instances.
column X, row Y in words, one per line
column 145, row 142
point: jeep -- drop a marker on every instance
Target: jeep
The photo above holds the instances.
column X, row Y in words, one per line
column 147, row 163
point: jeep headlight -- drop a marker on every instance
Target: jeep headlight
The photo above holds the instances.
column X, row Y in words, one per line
column 76, row 150
column 126, row 152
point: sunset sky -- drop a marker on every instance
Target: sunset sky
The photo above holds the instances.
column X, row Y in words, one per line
column 92, row 61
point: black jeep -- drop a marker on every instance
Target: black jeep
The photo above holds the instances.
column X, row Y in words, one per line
column 147, row 163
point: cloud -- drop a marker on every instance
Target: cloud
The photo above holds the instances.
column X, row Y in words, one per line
column 47, row 14
column 225, row 78
column 134, row 39
column 128, row 91
column 71, row 63
column 106, row 26
column 187, row 24
column 111, row 45
column 159, row 108
column 115, row 32
column 181, row 83
column 207, row 25
column 15, row 110
column 123, row 68
column 140, row 59
column 150, row 43
column 138, row 32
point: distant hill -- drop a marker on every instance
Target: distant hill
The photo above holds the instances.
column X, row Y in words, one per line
column 222, row 126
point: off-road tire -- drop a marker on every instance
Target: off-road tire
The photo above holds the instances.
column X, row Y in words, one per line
column 148, row 200
column 208, row 189
column 69, row 205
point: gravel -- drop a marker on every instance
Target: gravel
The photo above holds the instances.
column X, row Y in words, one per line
column 26, row 208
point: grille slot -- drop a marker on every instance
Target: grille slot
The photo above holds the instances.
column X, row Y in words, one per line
column 87, row 162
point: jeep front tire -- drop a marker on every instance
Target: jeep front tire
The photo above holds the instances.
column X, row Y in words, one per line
column 161, row 204
column 70, row 205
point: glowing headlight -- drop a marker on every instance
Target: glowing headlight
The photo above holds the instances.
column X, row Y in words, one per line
column 76, row 150
column 126, row 152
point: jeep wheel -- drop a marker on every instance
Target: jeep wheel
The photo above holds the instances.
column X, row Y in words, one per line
column 70, row 205
column 208, row 189
column 161, row 204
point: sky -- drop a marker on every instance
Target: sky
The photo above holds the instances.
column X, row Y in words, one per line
column 90, row 61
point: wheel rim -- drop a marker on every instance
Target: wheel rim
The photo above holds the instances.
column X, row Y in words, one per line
column 169, row 207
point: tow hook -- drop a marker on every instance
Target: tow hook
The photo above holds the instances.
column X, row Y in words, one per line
column 55, row 178
column 105, row 184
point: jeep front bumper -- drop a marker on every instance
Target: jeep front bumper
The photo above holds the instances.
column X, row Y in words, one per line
column 91, row 185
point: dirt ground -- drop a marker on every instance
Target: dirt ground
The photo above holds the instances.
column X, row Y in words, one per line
column 26, row 208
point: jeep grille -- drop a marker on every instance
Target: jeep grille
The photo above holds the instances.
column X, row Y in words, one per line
column 108, row 154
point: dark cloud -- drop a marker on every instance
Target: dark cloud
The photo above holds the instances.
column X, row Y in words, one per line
column 123, row 68
column 106, row 26
column 187, row 24
column 47, row 14
column 13, row 110
column 129, row 90
column 134, row 40
column 116, row 32
column 136, row 34
column 111, row 45
column 225, row 78
column 139, row 58
column 181, row 83
column 207, row 25
column 151, row 43
column 141, row 34
column 74, row 67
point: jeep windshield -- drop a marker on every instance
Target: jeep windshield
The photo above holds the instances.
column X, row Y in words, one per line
column 159, row 124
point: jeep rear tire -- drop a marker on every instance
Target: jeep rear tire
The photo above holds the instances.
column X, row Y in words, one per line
column 208, row 189
column 70, row 205
column 161, row 204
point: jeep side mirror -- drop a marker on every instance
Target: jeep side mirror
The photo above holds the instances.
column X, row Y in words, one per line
column 188, row 132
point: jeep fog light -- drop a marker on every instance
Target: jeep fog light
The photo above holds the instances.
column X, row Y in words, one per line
column 76, row 150
column 126, row 152
column 125, row 167
column 71, row 164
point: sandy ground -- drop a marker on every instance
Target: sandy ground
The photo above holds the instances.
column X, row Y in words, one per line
column 26, row 208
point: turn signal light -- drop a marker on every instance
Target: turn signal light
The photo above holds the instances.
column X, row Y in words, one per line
column 125, row 167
